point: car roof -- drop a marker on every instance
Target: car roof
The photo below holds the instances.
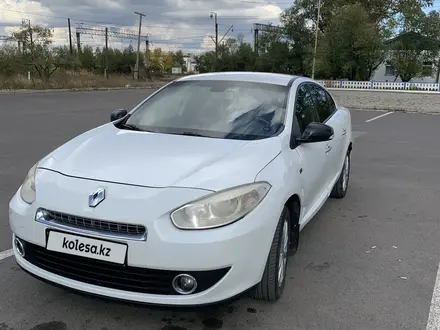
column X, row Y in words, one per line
column 260, row 77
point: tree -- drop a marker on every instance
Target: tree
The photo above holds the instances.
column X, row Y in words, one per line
column 11, row 61
column 205, row 62
column 300, row 38
column 157, row 59
column 66, row 60
column 352, row 46
column 408, row 52
column 87, row 58
column 417, row 42
column 178, row 58
column 168, row 61
column 382, row 12
column 275, row 53
column 36, row 43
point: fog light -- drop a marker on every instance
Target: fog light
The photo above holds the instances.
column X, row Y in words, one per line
column 19, row 246
column 41, row 215
column 184, row 284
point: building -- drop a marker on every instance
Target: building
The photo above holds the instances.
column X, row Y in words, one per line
column 190, row 63
column 386, row 71
column 176, row 70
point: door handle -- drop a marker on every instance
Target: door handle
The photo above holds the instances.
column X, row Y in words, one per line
column 327, row 149
column 344, row 131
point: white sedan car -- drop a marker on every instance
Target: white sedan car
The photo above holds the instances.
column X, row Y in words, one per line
column 195, row 196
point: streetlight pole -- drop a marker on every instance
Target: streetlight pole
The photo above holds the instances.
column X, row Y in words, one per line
column 139, row 44
column 214, row 14
column 316, row 39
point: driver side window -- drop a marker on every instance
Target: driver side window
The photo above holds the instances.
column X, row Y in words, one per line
column 305, row 107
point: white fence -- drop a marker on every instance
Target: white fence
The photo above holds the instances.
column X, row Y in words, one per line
column 379, row 85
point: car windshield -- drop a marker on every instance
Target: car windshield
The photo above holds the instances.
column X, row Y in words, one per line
column 212, row 108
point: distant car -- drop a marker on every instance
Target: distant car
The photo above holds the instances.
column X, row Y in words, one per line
column 194, row 196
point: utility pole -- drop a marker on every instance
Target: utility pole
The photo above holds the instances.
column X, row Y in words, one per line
column 214, row 15
column 28, row 23
column 316, row 39
column 78, row 42
column 30, row 35
column 147, row 58
column 106, row 53
column 139, row 44
column 256, row 41
column 70, row 37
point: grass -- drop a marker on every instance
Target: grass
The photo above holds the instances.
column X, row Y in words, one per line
column 81, row 80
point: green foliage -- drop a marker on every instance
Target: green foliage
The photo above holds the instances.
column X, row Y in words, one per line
column 351, row 45
column 418, row 41
column 351, row 37
column 34, row 53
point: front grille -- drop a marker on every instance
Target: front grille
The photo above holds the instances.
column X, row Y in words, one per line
column 120, row 277
column 94, row 224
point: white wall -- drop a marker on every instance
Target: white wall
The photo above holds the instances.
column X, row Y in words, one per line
column 190, row 63
column 380, row 75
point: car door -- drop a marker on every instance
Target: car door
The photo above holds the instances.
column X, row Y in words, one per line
column 328, row 114
column 312, row 155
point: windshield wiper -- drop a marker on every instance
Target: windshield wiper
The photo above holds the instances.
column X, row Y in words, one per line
column 192, row 134
column 187, row 133
column 131, row 127
column 135, row 128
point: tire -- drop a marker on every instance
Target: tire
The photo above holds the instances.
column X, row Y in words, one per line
column 271, row 286
column 340, row 188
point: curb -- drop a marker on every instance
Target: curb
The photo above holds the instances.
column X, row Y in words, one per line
column 355, row 107
column 90, row 89
column 402, row 110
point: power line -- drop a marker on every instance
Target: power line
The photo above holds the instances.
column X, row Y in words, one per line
column 122, row 25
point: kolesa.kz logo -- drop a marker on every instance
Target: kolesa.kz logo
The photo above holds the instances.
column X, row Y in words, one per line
column 88, row 248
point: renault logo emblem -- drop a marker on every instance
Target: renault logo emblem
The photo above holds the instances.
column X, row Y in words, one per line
column 97, row 197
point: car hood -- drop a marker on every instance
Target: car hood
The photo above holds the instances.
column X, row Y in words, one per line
column 148, row 159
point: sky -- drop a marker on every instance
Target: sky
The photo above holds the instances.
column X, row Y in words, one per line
column 170, row 24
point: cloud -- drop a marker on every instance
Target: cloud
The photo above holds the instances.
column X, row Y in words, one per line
column 12, row 11
column 170, row 24
column 257, row 12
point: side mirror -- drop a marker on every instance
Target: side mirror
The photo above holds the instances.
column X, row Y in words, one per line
column 316, row 132
column 118, row 114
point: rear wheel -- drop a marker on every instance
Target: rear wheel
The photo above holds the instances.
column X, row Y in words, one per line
column 271, row 286
column 341, row 186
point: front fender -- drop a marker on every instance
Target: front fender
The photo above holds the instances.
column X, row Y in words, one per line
column 280, row 173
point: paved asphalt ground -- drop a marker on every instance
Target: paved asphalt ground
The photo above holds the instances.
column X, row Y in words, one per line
column 368, row 261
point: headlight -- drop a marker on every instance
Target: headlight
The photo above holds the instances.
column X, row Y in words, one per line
column 27, row 191
column 221, row 208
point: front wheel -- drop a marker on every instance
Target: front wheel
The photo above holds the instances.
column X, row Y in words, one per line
column 341, row 186
column 272, row 284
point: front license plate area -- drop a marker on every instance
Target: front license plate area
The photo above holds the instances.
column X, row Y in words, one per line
column 87, row 247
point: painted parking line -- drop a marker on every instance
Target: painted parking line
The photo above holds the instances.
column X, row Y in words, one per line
column 377, row 117
column 6, row 254
column 434, row 311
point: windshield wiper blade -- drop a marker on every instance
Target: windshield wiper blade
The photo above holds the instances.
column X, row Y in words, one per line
column 135, row 128
column 192, row 134
column 131, row 127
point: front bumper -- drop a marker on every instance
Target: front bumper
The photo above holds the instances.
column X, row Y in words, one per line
column 227, row 261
